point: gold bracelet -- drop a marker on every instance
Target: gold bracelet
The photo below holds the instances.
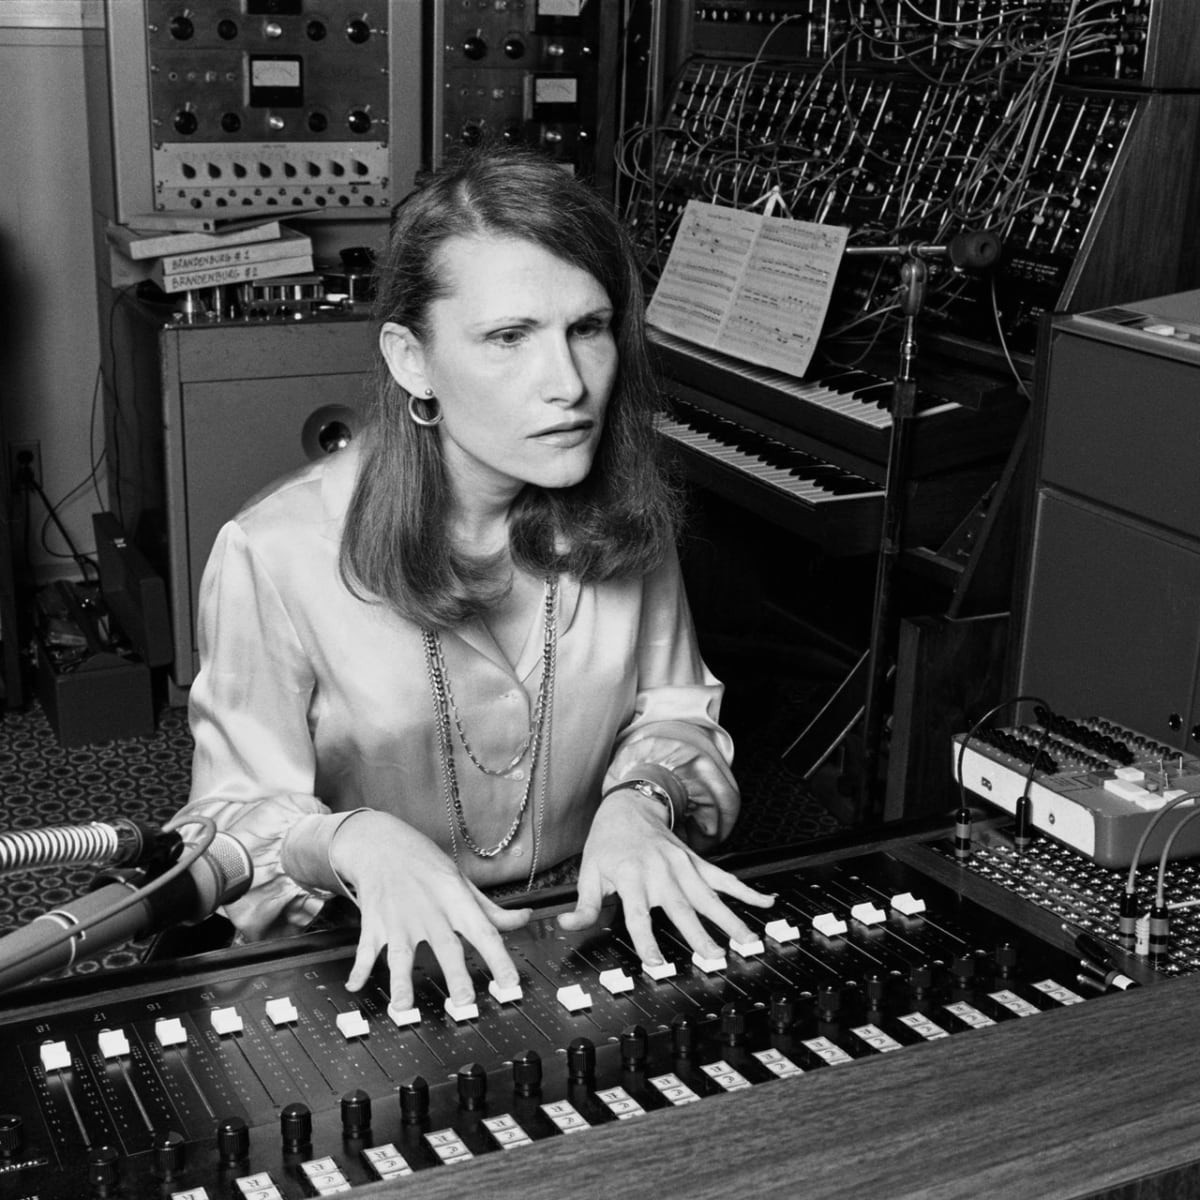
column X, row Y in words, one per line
column 652, row 791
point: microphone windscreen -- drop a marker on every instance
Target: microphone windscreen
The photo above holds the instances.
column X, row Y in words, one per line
column 221, row 875
column 974, row 250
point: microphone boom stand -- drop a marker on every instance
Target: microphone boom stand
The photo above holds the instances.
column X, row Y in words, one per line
column 913, row 276
column 964, row 250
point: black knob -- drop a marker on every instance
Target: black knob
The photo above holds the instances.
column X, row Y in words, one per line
column 683, row 1036
column 472, row 134
column 233, row 1140
column 359, row 121
column 733, row 1024
column 920, row 978
column 514, row 47
column 227, row 30
column 414, row 1100
column 633, row 1048
column 231, row 122
column 318, row 122
column 356, row 1113
column 12, row 1134
column 876, row 989
column 782, row 1013
column 829, row 1000
column 472, row 1086
column 1006, row 958
column 581, row 1061
column 181, row 28
column 527, row 1073
column 102, row 1168
column 315, row 31
column 185, row 121
column 169, row 1151
column 358, row 31
column 295, row 1126
column 962, row 967
column 474, row 47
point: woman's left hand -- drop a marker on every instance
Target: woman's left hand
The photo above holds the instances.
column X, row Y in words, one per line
column 632, row 854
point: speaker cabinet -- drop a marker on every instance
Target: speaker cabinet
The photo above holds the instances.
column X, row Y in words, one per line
column 204, row 416
column 1111, row 622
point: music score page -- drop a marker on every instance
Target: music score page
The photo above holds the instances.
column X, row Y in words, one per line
column 751, row 286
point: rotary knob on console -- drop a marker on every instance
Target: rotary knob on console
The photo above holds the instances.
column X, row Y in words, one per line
column 581, row 1061
column 12, row 1134
column 962, row 967
column 733, row 1024
column 876, row 989
column 829, row 1001
column 1006, row 959
column 414, row 1101
column 633, row 1048
column 527, row 1073
column 356, row 1114
column 233, row 1140
column 103, row 1169
column 683, row 1036
column 169, row 1151
column 295, row 1127
column 920, row 978
column 472, row 1086
column 782, row 1015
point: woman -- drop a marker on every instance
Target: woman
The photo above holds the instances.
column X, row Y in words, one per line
column 459, row 652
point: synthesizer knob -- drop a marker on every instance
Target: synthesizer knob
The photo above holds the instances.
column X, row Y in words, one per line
column 581, row 1061
column 169, row 1152
column 414, row 1101
column 12, row 1134
column 527, row 1073
column 103, row 1169
column 295, row 1127
column 633, row 1048
column 733, row 1024
column 356, row 1114
column 475, row 47
column 472, row 1086
column 233, row 1140
column 683, row 1036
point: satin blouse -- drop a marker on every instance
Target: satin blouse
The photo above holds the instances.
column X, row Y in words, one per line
column 311, row 703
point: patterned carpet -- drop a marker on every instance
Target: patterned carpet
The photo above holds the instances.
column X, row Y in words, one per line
column 42, row 784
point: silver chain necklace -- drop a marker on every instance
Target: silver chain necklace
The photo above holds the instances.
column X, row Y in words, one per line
column 536, row 743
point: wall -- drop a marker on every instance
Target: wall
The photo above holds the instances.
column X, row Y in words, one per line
column 49, row 335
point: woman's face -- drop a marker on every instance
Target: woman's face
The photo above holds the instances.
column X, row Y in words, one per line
column 522, row 360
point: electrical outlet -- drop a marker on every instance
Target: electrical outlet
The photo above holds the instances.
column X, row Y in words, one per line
column 22, row 455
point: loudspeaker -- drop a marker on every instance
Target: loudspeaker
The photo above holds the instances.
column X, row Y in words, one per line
column 211, row 415
column 1111, row 620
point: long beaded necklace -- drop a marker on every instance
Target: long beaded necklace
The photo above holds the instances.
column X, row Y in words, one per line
column 536, row 743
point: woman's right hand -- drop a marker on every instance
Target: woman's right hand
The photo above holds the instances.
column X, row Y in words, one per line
column 409, row 891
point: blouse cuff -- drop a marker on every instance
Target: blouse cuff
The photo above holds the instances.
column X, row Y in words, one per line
column 305, row 855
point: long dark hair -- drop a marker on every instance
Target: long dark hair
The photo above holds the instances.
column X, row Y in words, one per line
column 617, row 522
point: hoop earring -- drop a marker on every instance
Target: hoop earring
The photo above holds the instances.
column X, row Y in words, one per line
column 417, row 419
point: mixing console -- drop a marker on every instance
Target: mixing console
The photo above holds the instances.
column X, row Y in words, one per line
column 257, row 1077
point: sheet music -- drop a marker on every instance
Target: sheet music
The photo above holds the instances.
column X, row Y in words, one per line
column 748, row 285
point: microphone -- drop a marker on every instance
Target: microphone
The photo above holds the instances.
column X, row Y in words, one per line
column 119, row 911
column 115, row 842
column 973, row 250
